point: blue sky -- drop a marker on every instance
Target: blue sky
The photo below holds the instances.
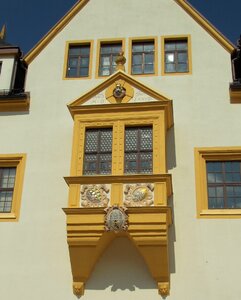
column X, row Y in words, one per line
column 28, row 20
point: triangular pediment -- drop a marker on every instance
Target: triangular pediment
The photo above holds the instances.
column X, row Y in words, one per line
column 99, row 95
column 102, row 97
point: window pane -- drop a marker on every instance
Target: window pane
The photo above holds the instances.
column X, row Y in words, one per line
column 170, row 46
column 137, row 59
column 105, row 61
column 105, row 71
column 72, row 72
column 181, row 45
column 149, row 47
column 148, row 69
column 169, row 57
column 137, row 48
column 74, row 50
column 131, row 139
column 137, row 69
column 182, row 68
column 170, row 68
column 106, row 140
column 73, row 62
column 146, row 138
column 84, row 72
column 149, row 59
column 91, row 140
column 182, row 57
column 84, row 62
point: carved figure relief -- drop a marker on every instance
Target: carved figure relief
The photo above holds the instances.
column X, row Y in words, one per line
column 116, row 219
column 94, row 195
column 138, row 194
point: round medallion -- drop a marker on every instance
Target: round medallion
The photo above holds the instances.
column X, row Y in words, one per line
column 116, row 219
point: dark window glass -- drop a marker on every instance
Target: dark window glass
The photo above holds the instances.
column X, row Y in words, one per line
column 176, row 56
column 98, row 151
column 108, row 55
column 7, row 180
column 142, row 58
column 0, row 67
column 224, row 184
column 138, row 150
column 78, row 61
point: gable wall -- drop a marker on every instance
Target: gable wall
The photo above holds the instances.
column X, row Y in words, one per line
column 203, row 116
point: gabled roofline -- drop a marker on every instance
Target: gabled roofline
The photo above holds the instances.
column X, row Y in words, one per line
column 203, row 22
column 30, row 56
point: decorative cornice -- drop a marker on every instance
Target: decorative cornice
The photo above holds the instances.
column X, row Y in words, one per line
column 15, row 103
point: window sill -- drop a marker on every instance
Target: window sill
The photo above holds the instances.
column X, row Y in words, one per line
column 220, row 213
column 8, row 217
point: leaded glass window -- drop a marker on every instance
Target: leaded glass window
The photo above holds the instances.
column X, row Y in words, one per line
column 143, row 54
column 176, row 56
column 7, row 180
column 98, row 151
column 138, row 150
column 224, row 184
column 108, row 55
column 78, row 61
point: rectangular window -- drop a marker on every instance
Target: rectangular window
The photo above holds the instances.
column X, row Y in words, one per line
column 98, row 151
column 224, row 184
column 143, row 57
column 11, row 182
column 218, row 182
column 78, row 64
column 138, row 150
column 7, row 180
column 176, row 56
column 108, row 55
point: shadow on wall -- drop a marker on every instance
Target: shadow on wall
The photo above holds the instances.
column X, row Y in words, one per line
column 122, row 268
column 171, row 149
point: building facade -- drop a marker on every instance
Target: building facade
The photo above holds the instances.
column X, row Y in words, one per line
column 120, row 159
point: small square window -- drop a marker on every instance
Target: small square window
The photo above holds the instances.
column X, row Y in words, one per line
column 143, row 57
column 176, row 55
column 108, row 54
column 78, row 61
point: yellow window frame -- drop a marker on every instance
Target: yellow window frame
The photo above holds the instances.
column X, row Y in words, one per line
column 18, row 161
column 203, row 155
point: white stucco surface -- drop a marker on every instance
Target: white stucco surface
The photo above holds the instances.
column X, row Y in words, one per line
column 6, row 72
column 204, row 254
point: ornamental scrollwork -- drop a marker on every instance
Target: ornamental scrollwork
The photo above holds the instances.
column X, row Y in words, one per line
column 94, row 195
column 138, row 194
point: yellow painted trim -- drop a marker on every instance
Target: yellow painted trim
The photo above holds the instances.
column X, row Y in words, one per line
column 202, row 155
column 144, row 39
column 119, row 75
column 18, row 161
column 148, row 230
column 235, row 95
column 189, row 53
column 107, row 41
column 15, row 104
column 203, row 22
column 80, row 43
column 30, row 56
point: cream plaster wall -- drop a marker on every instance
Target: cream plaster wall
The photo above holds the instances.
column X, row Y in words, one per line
column 204, row 254
column 6, row 72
